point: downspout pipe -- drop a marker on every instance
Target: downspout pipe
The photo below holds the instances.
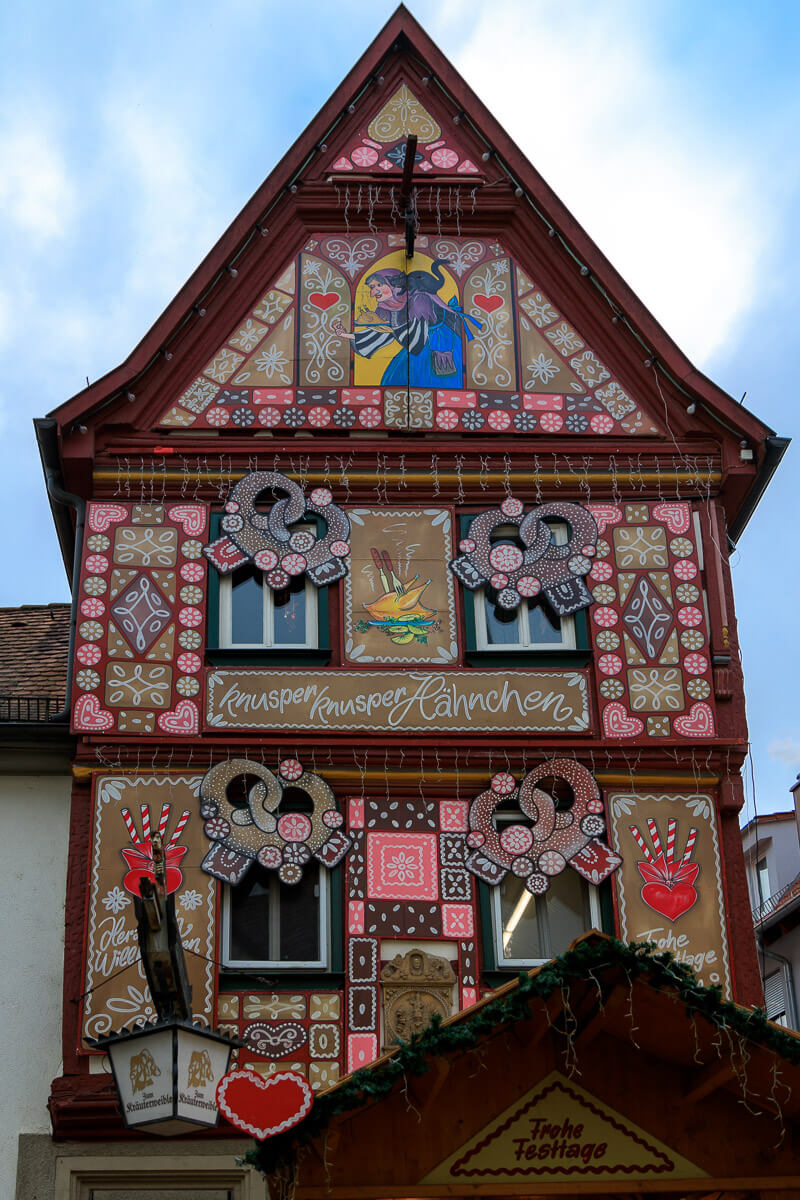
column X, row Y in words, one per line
column 788, row 980
column 46, row 436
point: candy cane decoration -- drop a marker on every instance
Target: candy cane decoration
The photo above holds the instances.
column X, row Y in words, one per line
column 652, row 829
column 179, row 828
column 145, row 822
column 129, row 825
column 164, row 819
column 672, row 826
column 687, row 854
column 640, row 842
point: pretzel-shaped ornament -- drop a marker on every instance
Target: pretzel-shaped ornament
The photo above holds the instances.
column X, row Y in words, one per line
column 517, row 574
column 266, row 539
column 550, row 840
column 284, row 842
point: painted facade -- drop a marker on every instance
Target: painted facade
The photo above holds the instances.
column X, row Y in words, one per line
column 404, row 609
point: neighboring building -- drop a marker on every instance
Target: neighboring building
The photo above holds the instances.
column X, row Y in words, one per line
column 403, row 610
column 772, row 857
column 36, row 754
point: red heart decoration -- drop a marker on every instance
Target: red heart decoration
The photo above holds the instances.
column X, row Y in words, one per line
column 605, row 515
column 263, row 1107
column 669, row 902
column 669, row 887
column 323, row 300
column 140, row 866
column 698, row 723
column 87, row 714
column 103, row 515
column 676, row 517
column 489, row 304
column 191, row 516
column 184, row 718
column 617, row 722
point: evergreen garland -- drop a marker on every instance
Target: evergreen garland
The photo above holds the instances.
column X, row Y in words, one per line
column 595, row 953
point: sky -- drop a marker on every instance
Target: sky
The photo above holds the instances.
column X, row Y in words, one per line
column 131, row 135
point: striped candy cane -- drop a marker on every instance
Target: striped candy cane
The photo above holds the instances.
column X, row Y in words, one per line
column 179, row 828
column 163, row 820
column 145, row 822
column 672, row 826
column 687, row 854
column 640, row 842
column 654, row 838
column 129, row 825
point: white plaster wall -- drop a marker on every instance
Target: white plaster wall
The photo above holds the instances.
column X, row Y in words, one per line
column 34, row 829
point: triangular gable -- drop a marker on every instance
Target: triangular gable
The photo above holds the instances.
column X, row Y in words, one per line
column 379, row 146
column 493, row 354
column 554, row 252
column 559, row 1131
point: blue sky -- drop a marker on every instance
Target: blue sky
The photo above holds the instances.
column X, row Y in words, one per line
column 131, row 134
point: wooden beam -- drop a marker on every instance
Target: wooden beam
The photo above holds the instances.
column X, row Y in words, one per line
column 709, row 1079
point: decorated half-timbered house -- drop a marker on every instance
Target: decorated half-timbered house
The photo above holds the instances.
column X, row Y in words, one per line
column 402, row 612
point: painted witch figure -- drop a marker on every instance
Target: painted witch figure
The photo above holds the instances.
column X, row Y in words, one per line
column 409, row 311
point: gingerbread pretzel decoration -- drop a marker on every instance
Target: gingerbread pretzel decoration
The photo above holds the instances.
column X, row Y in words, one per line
column 266, row 538
column 517, row 574
column 550, row 839
column 259, row 832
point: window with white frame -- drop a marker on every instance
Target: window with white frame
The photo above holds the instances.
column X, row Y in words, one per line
column 531, row 626
column 270, row 924
column 530, row 929
column 254, row 616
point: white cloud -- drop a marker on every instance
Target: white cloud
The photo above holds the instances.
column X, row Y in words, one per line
column 37, row 194
column 169, row 196
column 654, row 182
column 786, row 750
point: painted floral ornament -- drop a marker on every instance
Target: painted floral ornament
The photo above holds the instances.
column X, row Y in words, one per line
column 266, row 538
column 545, row 839
column 539, row 565
column 258, row 830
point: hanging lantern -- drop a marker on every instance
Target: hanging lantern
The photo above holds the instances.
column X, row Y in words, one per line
column 166, row 1074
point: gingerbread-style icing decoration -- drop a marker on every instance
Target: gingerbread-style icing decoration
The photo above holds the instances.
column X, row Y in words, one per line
column 515, row 573
column 550, row 840
column 259, row 831
column 266, row 538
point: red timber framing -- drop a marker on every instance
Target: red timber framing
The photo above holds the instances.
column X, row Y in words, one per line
column 667, row 477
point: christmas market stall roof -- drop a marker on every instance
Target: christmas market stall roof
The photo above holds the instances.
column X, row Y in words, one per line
column 609, row 1068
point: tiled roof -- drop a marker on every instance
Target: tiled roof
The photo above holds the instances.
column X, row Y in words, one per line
column 33, row 650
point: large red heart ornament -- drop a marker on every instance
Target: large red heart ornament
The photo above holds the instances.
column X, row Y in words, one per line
column 263, row 1107
column 669, row 888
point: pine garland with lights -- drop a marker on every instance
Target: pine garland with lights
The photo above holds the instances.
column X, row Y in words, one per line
column 594, row 954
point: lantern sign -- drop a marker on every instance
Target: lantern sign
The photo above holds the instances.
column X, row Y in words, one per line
column 266, row 538
column 517, row 573
column 545, row 840
column 166, row 1074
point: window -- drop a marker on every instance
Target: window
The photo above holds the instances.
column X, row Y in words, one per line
column 529, row 929
column 267, row 923
column 762, row 882
column 252, row 615
column 531, row 626
column 775, row 998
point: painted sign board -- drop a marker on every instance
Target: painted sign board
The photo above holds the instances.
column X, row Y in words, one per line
column 669, row 886
column 393, row 702
column 559, row 1131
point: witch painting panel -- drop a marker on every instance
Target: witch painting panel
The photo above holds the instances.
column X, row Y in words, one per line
column 410, row 313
